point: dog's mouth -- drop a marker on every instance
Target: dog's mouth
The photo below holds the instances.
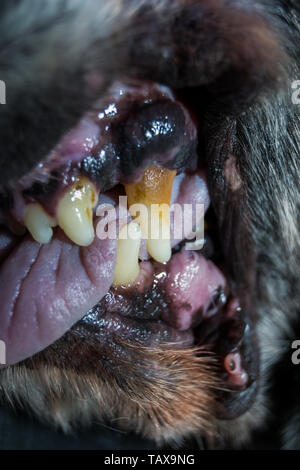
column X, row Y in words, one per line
column 72, row 275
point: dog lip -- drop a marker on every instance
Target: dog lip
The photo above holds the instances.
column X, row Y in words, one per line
column 172, row 293
column 238, row 399
column 109, row 147
column 146, row 333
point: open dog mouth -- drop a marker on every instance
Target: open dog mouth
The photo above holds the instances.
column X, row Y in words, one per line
column 64, row 279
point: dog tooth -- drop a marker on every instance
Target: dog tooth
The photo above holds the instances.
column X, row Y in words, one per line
column 159, row 238
column 154, row 191
column 127, row 263
column 75, row 212
column 39, row 223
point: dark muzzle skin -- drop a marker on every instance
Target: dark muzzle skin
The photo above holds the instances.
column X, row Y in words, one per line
column 232, row 63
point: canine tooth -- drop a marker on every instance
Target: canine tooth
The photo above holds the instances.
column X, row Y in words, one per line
column 127, row 263
column 154, row 191
column 75, row 212
column 159, row 238
column 39, row 223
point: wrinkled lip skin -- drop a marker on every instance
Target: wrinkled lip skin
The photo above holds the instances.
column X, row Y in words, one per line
column 189, row 301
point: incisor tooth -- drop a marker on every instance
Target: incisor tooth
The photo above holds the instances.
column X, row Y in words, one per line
column 75, row 212
column 127, row 264
column 39, row 223
column 154, row 191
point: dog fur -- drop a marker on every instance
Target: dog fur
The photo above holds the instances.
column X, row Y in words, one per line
column 250, row 119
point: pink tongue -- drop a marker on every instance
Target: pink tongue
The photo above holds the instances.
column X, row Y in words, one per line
column 46, row 289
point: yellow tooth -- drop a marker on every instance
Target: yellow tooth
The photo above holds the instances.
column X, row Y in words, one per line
column 127, row 264
column 154, row 191
column 39, row 223
column 75, row 212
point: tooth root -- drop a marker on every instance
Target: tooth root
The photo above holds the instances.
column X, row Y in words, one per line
column 155, row 187
column 39, row 223
column 75, row 212
column 154, row 191
column 127, row 264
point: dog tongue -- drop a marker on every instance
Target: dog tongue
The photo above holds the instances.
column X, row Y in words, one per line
column 46, row 289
